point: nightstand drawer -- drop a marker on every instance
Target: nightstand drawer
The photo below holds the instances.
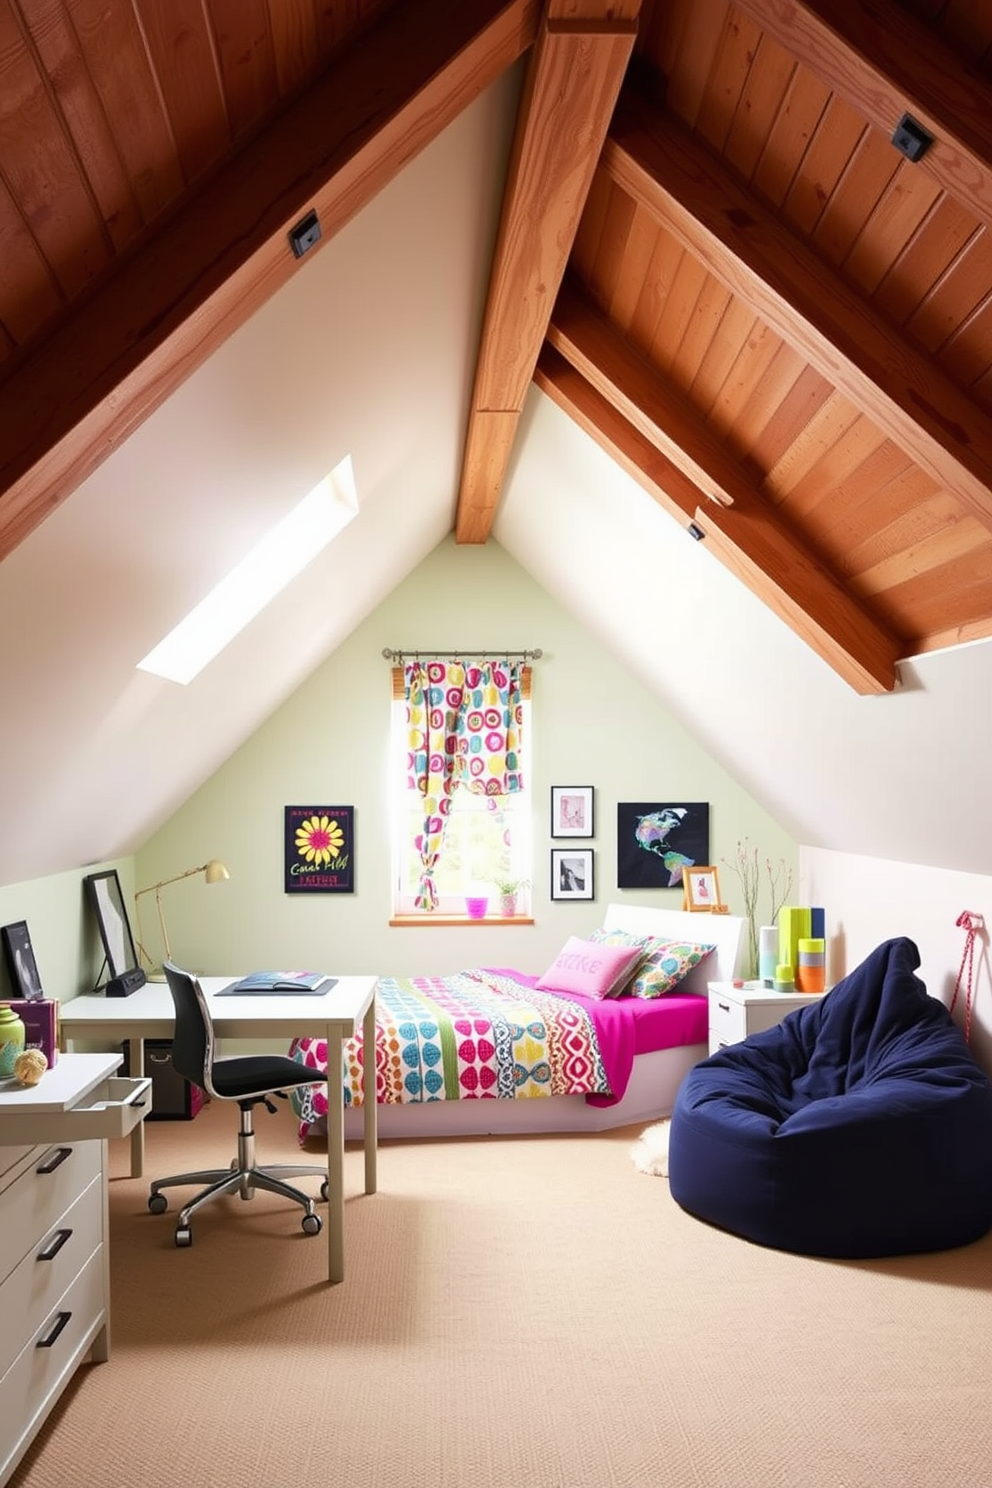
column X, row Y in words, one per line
column 728, row 1021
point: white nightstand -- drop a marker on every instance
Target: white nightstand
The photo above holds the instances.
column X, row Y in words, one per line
column 735, row 1012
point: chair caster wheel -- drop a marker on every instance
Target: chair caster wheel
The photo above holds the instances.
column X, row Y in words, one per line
column 183, row 1237
column 312, row 1224
column 158, row 1203
column 323, row 1190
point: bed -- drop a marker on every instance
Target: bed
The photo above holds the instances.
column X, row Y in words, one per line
column 492, row 1050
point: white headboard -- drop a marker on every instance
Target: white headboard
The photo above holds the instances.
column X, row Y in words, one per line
column 726, row 932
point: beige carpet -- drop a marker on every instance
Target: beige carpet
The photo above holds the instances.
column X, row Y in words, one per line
column 521, row 1313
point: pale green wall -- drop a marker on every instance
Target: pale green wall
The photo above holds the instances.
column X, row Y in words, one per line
column 63, row 932
column 593, row 724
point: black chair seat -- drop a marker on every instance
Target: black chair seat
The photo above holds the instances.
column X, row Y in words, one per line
column 257, row 1074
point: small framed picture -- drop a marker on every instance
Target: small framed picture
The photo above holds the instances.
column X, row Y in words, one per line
column 572, row 873
column 19, row 955
column 571, row 811
column 702, row 888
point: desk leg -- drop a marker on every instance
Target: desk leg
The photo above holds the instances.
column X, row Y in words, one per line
column 335, row 1159
column 370, row 1124
column 136, row 1068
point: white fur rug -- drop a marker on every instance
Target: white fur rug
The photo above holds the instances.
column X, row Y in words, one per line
column 650, row 1152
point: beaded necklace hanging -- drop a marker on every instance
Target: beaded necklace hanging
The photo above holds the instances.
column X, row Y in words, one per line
column 971, row 923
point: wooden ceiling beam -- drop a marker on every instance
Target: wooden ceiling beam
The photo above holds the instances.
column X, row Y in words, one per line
column 569, row 94
column 895, row 384
column 633, row 451
column 884, row 63
column 119, row 354
column 739, row 525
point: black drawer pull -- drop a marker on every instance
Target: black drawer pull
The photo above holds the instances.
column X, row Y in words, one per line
column 724, row 1007
column 60, row 1323
column 54, row 1246
column 56, row 1160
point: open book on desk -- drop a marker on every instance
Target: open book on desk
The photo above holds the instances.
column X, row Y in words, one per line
column 290, row 983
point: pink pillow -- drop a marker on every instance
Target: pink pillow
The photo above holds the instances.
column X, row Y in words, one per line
column 590, row 969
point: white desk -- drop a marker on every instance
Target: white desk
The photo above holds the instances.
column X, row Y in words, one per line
column 149, row 1013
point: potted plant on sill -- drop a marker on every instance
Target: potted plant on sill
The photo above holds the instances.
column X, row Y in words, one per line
column 508, row 890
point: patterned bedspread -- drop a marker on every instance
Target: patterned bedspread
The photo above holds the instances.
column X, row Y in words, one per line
column 477, row 1035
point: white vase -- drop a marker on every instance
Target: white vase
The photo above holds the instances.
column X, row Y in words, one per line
column 767, row 952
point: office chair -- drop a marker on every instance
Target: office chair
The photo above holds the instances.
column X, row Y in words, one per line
column 250, row 1080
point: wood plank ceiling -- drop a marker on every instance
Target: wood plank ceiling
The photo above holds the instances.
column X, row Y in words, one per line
column 711, row 255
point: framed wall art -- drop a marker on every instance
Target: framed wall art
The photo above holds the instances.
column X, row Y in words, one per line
column 571, row 811
column 656, row 840
column 21, row 965
column 701, row 888
column 572, row 873
column 319, row 850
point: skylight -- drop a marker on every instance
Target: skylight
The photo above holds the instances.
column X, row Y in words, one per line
column 257, row 579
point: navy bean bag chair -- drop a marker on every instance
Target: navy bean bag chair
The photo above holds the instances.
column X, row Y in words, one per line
column 860, row 1126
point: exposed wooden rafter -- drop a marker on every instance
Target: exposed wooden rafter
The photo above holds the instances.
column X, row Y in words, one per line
column 569, row 94
column 746, row 532
column 792, row 290
column 623, row 441
column 125, row 347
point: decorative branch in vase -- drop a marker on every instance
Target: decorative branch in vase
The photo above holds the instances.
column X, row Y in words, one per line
column 747, row 868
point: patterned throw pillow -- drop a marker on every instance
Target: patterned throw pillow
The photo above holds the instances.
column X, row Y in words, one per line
column 665, row 967
column 646, row 944
column 589, row 969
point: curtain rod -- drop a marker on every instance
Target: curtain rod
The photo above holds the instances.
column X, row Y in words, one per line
column 458, row 651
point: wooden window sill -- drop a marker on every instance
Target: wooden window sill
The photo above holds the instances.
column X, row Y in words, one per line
column 435, row 921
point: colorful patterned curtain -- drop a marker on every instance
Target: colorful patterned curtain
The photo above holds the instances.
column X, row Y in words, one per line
column 463, row 730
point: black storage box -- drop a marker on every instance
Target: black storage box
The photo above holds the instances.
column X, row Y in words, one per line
column 173, row 1098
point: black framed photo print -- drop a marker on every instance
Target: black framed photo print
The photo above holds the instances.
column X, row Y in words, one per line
column 19, row 955
column 572, row 873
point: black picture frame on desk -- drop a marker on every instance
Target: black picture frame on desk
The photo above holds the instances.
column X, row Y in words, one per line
column 21, row 964
column 103, row 891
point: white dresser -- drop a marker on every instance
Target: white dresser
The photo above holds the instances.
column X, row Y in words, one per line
column 735, row 1012
column 54, row 1281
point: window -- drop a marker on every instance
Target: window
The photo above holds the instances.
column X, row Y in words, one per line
column 262, row 574
column 485, row 839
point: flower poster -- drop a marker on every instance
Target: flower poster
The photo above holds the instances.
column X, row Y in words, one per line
column 320, row 850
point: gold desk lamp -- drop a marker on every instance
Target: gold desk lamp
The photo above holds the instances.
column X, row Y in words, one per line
column 215, row 872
